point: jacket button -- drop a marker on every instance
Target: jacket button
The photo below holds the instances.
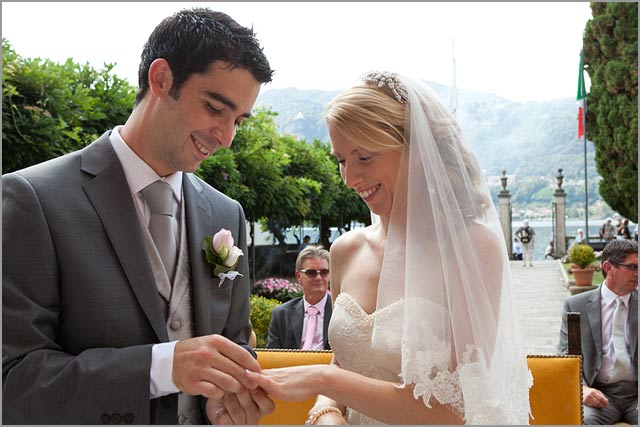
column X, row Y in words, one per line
column 175, row 325
column 105, row 419
column 128, row 418
column 116, row 418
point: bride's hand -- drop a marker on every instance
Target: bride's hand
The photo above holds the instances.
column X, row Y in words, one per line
column 296, row 383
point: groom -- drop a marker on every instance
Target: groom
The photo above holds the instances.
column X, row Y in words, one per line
column 111, row 313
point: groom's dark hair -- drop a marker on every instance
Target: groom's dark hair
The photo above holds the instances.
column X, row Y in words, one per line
column 191, row 39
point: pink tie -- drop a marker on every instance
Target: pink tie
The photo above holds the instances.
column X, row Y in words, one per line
column 312, row 321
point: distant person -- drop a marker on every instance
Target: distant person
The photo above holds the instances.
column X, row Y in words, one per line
column 302, row 323
column 619, row 224
column 623, row 230
column 526, row 234
column 578, row 240
column 607, row 231
column 517, row 249
column 306, row 240
column 548, row 252
column 609, row 335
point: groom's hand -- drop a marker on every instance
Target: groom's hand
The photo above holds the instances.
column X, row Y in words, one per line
column 212, row 365
column 246, row 407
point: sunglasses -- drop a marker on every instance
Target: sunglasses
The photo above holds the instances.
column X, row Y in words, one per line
column 310, row 272
column 630, row 267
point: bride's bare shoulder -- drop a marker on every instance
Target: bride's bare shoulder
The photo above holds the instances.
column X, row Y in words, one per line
column 484, row 240
column 348, row 242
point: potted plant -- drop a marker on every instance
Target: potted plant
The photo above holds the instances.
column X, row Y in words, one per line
column 582, row 256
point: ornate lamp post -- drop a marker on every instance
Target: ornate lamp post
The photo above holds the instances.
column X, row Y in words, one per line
column 559, row 178
column 504, row 213
column 503, row 180
column 559, row 220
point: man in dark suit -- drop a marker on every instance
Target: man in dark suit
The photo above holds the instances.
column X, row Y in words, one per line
column 104, row 321
column 303, row 322
column 609, row 335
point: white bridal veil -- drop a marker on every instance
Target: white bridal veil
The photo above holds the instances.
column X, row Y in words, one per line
column 446, row 258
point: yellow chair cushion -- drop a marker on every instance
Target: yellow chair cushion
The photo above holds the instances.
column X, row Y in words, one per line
column 290, row 413
column 555, row 397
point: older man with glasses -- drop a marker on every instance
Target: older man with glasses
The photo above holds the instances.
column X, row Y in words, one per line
column 609, row 332
column 303, row 322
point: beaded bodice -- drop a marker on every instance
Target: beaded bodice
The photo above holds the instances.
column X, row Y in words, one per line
column 350, row 337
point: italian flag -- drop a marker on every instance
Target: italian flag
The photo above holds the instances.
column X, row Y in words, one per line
column 581, row 99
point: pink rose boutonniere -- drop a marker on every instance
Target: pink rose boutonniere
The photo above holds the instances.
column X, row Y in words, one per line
column 222, row 254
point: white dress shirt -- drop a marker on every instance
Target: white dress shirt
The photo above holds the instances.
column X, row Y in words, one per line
column 139, row 175
column 607, row 306
column 318, row 338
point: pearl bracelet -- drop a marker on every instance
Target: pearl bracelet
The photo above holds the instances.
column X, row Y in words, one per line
column 320, row 412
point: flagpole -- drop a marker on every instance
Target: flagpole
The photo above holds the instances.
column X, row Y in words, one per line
column 582, row 93
column 586, row 190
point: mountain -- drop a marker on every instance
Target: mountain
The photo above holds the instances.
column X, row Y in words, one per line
column 300, row 112
column 530, row 140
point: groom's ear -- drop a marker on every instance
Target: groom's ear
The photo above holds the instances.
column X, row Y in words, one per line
column 160, row 78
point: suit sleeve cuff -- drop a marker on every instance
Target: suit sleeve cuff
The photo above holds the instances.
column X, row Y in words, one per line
column 161, row 375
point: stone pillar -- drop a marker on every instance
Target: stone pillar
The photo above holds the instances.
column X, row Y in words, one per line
column 504, row 213
column 560, row 224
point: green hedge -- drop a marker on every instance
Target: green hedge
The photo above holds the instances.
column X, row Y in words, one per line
column 261, row 309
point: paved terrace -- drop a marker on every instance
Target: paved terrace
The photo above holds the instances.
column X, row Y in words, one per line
column 539, row 292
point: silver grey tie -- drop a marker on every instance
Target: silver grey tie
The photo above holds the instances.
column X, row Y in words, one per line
column 159, row 196
column 622, row 365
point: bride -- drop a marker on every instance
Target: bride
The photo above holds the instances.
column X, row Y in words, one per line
column 423, row 328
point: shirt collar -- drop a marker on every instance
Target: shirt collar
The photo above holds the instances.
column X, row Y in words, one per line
column 609, row 297
column 319, row 305
column 139, row 174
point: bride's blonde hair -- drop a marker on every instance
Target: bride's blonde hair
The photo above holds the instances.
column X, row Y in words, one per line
column 368, row 116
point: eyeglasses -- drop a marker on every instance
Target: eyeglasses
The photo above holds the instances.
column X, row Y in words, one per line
column 630, row 267
column 310, row 272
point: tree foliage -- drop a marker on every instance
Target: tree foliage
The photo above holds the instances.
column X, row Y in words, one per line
column 282, row 181
column 50, row 109
column 611, row 59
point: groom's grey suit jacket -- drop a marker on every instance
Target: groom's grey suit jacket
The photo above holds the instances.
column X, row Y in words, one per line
column 588, row 305
column 80, row 308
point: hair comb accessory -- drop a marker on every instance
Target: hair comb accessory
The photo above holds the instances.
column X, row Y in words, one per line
column 391, row 80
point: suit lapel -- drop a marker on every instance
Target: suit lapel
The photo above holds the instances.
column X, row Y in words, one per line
column 199, row 217
column 327, row 319
column 111, row 198
column 595, row 320
column 296, row 317
column 633, row 325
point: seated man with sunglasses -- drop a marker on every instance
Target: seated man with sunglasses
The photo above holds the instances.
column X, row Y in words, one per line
column 303, row 322
column 609, row 333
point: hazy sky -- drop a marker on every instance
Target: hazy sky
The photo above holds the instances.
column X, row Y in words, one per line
column 521, row 51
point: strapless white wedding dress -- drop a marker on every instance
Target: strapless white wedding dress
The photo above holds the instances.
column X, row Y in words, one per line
column 350, row 337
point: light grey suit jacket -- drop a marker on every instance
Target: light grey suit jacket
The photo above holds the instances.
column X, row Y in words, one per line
column 287, row 322
column 80, row 307
column 588, row 305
